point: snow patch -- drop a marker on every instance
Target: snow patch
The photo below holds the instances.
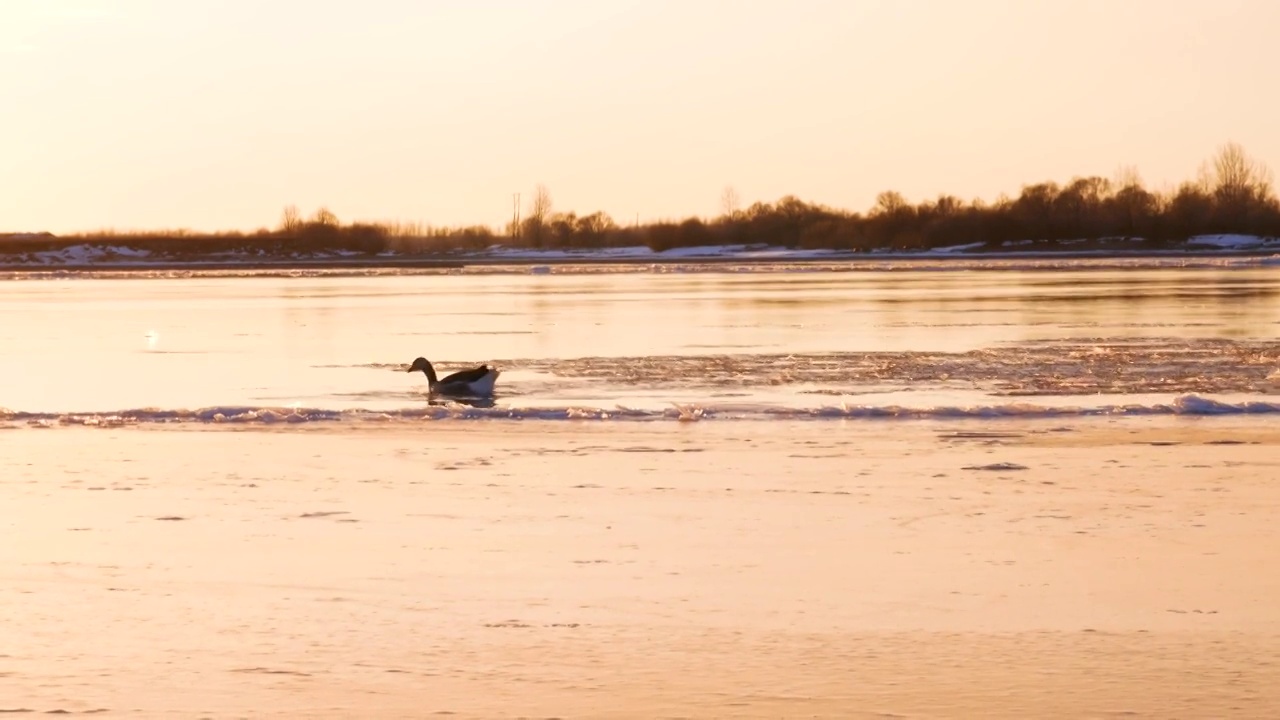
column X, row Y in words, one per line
column 79, row 254
column 640, row 251
column 957, row 248
column 1232, row 242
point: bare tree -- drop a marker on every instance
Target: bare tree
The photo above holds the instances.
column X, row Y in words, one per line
column 890, row 202
column 596, row 224
column 1234, row 176
column 291, row 220
column 534, row 226
column 1126, row 177
column 541, row 207
column 948, row 205
column 730, row 203
column 325, row 217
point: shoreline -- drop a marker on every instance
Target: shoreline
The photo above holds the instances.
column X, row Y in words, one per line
column 586, row 259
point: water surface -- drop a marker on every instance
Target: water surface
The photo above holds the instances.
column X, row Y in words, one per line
column 822, row 342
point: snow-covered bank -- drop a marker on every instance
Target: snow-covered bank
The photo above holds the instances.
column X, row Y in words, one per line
column 1199, row 244
column 703, row 252
column 104, row 256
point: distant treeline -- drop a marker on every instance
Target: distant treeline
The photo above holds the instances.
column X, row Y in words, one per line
column 1232, row 194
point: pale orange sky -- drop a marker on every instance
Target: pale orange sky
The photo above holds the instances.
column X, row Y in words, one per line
column 215, row 114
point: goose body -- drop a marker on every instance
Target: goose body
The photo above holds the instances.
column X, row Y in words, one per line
column 474, row 382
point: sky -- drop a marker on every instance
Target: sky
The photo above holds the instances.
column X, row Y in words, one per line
column 216, row 114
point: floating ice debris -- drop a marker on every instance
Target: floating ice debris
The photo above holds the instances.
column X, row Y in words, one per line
column 1192, row 405
column 979, row 435
column 689, row 413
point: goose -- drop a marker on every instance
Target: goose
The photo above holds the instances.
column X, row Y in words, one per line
column 477, row 381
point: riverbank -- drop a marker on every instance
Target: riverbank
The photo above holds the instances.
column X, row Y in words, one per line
column 90, row 258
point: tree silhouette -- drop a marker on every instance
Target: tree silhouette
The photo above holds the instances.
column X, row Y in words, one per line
column 1233, row 193
column 730, row 203
column 539, row 210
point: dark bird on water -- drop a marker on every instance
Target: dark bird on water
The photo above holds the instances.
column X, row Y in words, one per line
column 475, row 382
